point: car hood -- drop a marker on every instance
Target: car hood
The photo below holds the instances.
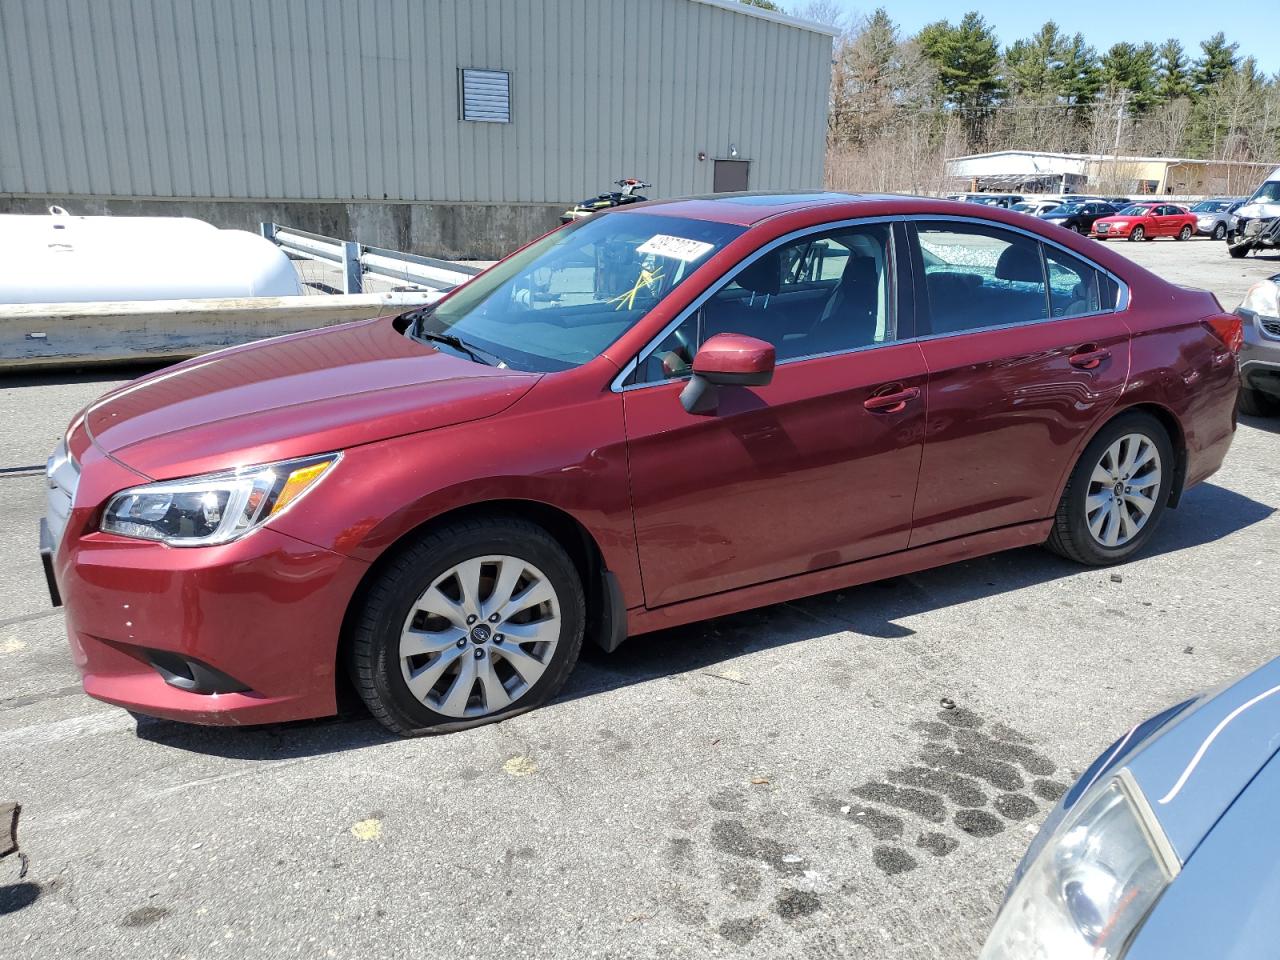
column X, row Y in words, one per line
column 1194, row 769
column 1223, row 903
column 1251, row 210
column 313, row 392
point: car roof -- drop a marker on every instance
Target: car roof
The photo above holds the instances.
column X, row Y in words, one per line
column 748, row 208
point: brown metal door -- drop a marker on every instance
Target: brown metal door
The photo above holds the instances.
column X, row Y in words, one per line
column 728, row 175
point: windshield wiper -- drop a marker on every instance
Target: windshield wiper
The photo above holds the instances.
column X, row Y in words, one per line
column 450, row 340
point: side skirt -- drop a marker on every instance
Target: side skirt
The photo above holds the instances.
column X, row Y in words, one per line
column 642, row 620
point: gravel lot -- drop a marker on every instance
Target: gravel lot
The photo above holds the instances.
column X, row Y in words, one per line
column 782, row 783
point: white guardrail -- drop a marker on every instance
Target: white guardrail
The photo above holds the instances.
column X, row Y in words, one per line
column 356, row 260
column 39, row 335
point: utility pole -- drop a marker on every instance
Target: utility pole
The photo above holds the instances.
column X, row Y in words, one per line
column 1124, row 96
column 1115, row 153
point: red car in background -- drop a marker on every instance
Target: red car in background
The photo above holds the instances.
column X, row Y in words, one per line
column 655, row 415
column 1146, row 221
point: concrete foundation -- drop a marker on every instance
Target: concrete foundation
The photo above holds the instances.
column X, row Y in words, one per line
column 451, row 231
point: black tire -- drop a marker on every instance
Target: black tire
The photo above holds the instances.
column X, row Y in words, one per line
column 1070, row 536
column 373, row 659
column 1137, row 234
column 1238, row 251
column 1255, row 403
column 1185, row 232
column 1220, row 231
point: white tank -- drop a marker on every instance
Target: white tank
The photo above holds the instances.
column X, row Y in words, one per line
column 57, row 258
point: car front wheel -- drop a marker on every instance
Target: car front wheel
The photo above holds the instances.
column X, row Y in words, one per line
column 1117, row 492
column 474, row 622
column 1137, row 233
column 1220, row 231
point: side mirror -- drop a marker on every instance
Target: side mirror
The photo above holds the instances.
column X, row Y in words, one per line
column 727, row 359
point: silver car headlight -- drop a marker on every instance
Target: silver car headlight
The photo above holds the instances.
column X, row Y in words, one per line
column 216, row 508
column 1091, row 886
column 1263, row 299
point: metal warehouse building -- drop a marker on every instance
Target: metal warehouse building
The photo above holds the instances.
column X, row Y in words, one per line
column 454, row 127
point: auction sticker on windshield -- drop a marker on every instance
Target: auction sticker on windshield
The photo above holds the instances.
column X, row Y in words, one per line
column 678, row 248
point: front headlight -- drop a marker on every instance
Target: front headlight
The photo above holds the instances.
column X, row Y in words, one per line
column 1092, row 885
column 216, row 508
column 1263, row 299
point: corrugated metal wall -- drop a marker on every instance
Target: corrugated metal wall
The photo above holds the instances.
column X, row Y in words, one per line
column 358, row 99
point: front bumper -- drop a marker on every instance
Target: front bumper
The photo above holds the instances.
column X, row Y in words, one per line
column 1260, row 352
column 243, row 632
column 246, row 632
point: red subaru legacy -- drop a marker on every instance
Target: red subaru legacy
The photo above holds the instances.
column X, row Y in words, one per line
column 669, row 412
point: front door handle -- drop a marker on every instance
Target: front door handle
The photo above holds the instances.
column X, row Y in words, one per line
column 891, row 402
column 1089, row 357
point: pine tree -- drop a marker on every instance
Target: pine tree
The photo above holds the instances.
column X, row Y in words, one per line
column 1031, row 64
column 1219, row 59
column 1079, row 78
column 967, row 58
column 1174, row 79
column 1127, row 67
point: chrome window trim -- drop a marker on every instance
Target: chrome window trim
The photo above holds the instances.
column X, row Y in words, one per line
column 618, row 385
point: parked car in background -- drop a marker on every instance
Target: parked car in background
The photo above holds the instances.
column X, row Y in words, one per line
column 1004, row 200
column 1146, row 221
column 1213, row 217
column 770, row 396
column 1168, row 845
column 1255, row 225
column 1260, row 353
column 1036, row 208
column 1118, row 202
column 1079, row 217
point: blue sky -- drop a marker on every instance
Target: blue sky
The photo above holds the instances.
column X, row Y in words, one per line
column 1104, row 22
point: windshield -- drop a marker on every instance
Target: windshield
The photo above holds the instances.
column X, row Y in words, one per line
column 1269, row 192
column 1135, row 211
column 559, row 302
column 1210, row 206
column 1066, row 209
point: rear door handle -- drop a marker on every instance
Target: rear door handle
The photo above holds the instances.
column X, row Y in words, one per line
column 1089, row 357
column 891, row 402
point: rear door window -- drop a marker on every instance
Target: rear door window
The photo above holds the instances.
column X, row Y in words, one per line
column 1076, row 289
column 977, row 276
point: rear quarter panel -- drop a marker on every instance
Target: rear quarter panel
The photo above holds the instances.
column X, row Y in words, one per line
column 1179, row 366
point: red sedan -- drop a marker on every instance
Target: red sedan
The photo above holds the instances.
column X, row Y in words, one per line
column 652, row 416
column 1146, row 221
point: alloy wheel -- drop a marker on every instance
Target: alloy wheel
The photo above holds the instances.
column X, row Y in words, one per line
column 1122, row 490
column 480, row 636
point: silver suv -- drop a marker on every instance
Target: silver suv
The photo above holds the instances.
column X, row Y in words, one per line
column 1213, row 217
column 1260, row 355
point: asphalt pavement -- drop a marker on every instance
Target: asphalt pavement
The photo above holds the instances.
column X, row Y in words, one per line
column 781, row 783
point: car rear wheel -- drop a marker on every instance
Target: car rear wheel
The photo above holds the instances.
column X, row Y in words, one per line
column 1117, row 492
column 1137, row 233
column 1255, row 403
column 1220, row 231
column 1185, row 232
column 474, row 622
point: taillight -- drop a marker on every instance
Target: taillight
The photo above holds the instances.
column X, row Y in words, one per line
column 1228, row 328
